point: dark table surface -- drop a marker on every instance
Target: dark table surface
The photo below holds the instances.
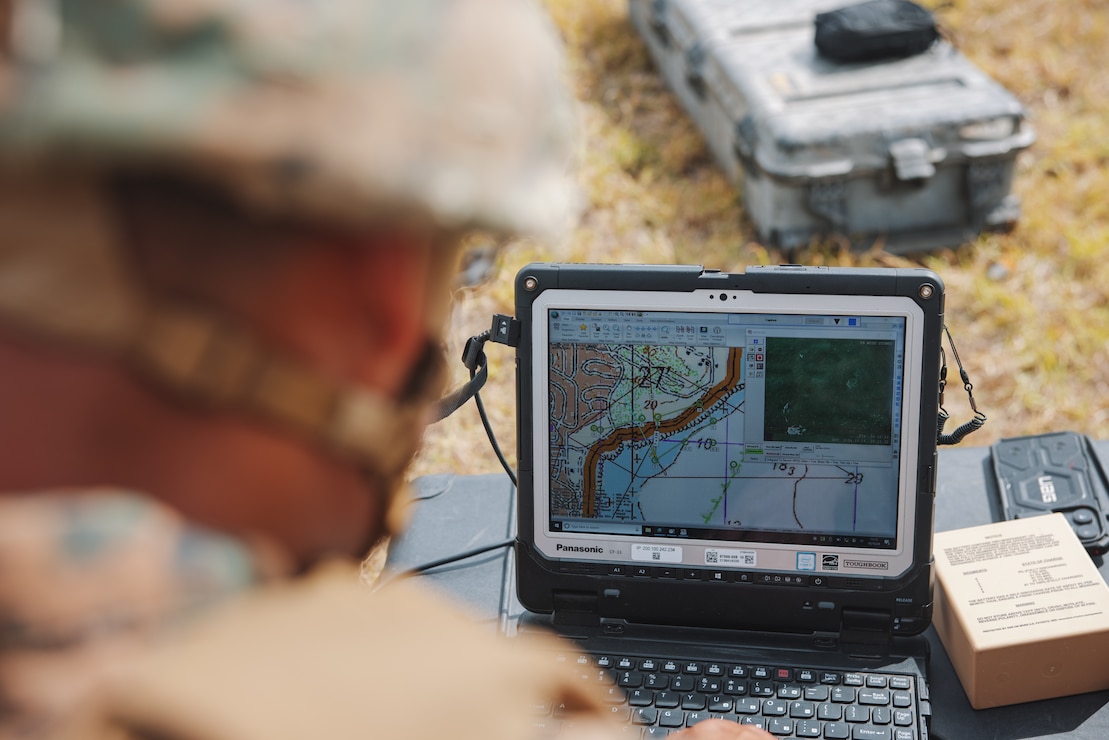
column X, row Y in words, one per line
column 459, row 513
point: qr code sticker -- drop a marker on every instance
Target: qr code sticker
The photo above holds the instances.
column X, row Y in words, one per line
column 712, row 557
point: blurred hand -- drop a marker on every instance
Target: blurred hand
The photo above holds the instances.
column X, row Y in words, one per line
column 719, row 729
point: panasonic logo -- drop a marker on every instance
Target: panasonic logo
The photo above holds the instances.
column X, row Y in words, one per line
column 868, row 564
column 579, row 548
column 1047, row 489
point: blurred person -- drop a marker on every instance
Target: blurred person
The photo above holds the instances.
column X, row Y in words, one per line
column 228, row 229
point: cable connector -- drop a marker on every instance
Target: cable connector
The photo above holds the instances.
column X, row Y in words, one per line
column 473, row 354
column 473, row 357
column 505, row 330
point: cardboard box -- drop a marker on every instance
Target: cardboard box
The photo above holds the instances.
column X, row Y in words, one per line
column 1022, row 611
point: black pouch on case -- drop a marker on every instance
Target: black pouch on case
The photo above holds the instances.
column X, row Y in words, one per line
column 879, row 29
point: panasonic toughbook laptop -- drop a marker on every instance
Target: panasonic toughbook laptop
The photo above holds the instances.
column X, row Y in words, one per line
column 726, row 485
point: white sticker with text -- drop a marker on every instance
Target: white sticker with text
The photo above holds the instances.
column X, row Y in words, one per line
column 657, row 553
column 742, row 558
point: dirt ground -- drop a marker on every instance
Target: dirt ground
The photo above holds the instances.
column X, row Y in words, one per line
column 1028, row 309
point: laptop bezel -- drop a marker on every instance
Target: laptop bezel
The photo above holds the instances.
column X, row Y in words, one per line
column 542, row 581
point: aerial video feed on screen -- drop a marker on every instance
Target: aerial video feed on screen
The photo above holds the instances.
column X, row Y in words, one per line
column 765, row 428
column 830, row 390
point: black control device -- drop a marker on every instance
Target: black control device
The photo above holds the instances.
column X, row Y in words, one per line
column 1055, row 472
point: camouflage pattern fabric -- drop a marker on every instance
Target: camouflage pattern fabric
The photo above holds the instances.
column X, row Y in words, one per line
column 341, row 110
column 90, row 579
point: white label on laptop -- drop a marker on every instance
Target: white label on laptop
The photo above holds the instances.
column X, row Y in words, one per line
column 744, row 558
column 657, row 553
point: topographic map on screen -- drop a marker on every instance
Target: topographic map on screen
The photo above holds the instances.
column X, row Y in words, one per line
column 659, row 434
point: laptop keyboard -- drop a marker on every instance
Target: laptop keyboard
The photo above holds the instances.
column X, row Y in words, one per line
column 657, row 696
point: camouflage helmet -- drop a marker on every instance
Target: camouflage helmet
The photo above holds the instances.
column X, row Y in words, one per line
column 339, row 109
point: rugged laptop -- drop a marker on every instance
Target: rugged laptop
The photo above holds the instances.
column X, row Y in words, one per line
column 726, row 487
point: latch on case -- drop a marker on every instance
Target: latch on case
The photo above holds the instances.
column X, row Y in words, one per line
column 912, row 159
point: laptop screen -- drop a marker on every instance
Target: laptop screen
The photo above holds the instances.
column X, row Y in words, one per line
column 739, row 431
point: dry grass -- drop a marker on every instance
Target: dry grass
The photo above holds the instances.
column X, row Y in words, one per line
column 1029, row 309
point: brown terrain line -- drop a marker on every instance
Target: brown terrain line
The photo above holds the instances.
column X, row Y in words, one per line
column 625, row 434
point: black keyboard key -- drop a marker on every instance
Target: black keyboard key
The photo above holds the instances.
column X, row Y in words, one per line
column 807, row 728
column 656, row 681
column 655, row 732
column 714, row 669
column 720, row 704
column 648, row 664
column 762, row 688
column 774, row 708
column 830, row 678
column 901, row 682
column 641, row 698
column 874, row 697
column 843, row 694
column 735, row 686
column 667, row 699
column 789, row 691
column 880, row 716
column 738, row 671
column 875, row 681
column 615, row 695
column 620, row 714
column 829, row 712
column 670, row 666
column 629, row 679
column 624, row 664
column 855, row 714
column 760, row 671
column 692, row 668
column 708, row 685
column 747, row 706
column 644, row 715
column 802, row 710
column 693, row 701
column 902, row 717
column 837, row 731
column 692, row 718
column 806, row 676
column 683, row 683
column 853, row 679
column 816, row 693
column 902, row 699
column 671, row 718
column 779, row 726
column 759, row 722
column 870, row 732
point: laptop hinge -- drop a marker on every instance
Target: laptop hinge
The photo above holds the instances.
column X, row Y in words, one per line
column 866, row 630
column 576, row 608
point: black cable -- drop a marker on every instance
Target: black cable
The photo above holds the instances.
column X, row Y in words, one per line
column 420, row 569
column 493, row 439
column 473, row 357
